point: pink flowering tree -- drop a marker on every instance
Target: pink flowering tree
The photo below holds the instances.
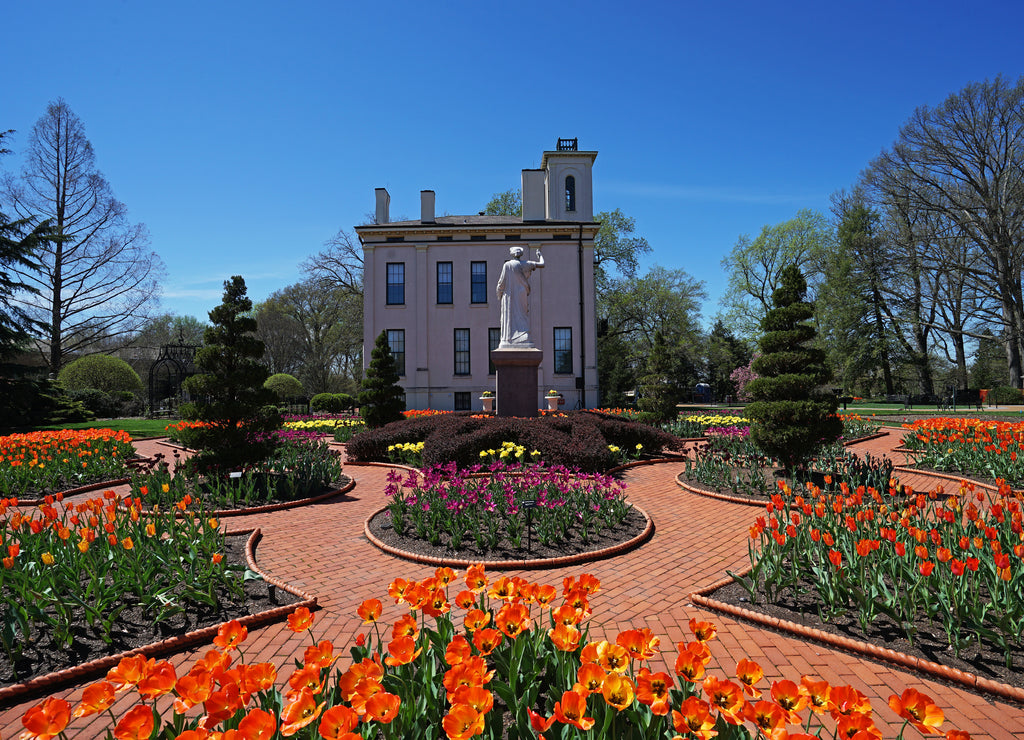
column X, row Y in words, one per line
column 741, row 376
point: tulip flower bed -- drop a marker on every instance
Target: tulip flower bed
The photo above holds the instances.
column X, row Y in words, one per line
column 48, row 462
column 516, row 663
column 695, row 425
column 70, row 571
column 504, row 509
column 927, row 566
column 299, row 468
column 983, row 448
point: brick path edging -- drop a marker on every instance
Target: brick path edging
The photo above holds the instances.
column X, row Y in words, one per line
column 539, row 564
column 267, row 508
column 76, row 491
column 82, row 672
column 714, row 494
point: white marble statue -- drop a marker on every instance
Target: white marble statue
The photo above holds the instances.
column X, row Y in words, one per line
column 514, row 298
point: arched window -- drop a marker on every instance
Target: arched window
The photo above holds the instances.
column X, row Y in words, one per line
column 570, row 193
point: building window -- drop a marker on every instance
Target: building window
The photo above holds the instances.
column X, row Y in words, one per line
column 396, row 284
column 493, row 340
column 396, row 343
column 563, row 350
column 444, row 282
column 463, row 401
column 462, row 351
column 570, row 193
column 478, row 282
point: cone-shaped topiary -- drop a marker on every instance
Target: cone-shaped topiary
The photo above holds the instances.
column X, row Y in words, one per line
column 380, row 401
column 792, row 414
column 229, row 393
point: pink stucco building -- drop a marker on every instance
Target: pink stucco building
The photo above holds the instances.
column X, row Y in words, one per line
column 430, row 284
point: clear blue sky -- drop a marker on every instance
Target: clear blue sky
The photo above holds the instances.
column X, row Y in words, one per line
column 245, row 134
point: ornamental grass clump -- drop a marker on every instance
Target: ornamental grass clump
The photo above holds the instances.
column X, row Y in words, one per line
column 48, row 462
column 970, row 446
column 69, row 568
column 956, row 562
column 559, row 504
column 478, row 657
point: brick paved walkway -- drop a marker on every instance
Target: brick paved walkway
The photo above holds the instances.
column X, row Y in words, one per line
column 321, row 549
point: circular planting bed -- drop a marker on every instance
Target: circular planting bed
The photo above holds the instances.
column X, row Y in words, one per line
column 636, row 529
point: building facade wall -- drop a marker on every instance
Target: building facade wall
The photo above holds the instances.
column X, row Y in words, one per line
column 430, row 379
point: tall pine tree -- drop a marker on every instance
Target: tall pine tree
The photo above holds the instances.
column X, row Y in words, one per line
column 380, row 401
column 238, row 411
column 793, row 415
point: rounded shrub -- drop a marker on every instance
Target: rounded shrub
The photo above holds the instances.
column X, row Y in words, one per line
column 102, row 372
column 328, row 403
column 284, row 385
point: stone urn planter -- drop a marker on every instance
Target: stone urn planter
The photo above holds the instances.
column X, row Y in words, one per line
column 488, row 403
column 552, row 401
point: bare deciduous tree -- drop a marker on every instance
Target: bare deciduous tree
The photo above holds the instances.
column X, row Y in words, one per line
column 97, row 278
column 963, row 162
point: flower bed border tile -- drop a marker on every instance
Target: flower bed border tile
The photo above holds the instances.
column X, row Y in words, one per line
column 76, row 491
column 538, row 564
column 857, row 647
column 267, row 508
column 79, row 673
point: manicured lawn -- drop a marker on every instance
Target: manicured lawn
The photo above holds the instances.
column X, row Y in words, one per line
column 137, row 428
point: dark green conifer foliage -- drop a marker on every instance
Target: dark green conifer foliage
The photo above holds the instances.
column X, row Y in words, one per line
column 380, row 401
column 659, row 391
column 229, row 393
column 793, row 415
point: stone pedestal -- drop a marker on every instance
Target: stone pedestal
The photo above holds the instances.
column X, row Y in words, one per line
column 516, row 375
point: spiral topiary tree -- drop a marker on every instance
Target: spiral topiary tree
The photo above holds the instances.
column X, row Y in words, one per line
column 792, row 414
column 380, row 401
column 237, row 409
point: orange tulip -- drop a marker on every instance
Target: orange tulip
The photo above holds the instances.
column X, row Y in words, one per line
column 397, row 589
column 476, row 581
column 402, row 650
column 727, row 698
column 476, row 619
column 230, row 635
column 613, row 658
column 337, row 722
column 513, row 619
column 306, row 678
column 538, row 723
column 477, row 697
column 486, row 640
column 642, row 644
column 749, row 673
column 689, row 666
column 193, row 688
column 258, row 725
column 465, row 599
column 96, row 697
column 846, row 700
column 458, row 650
column 157, row 680
column 46, row 720
column 618, row 691
column 370, row 610
column 463, row 722
column 703, row 631
column 300, row 620
column 137, row 724
column 502, row 589
column 792, row 700
column 589, row 679
column 653, row 689
column 128, row 672
column 859, row 726
column 383, row 707
column 694, row 716
column 818, row 694
column 321, row 655
column 565, row 637
column 405, row 627
column 572, row 710
column 769, row 717
column 919, row 710
column 299, row 712
column 221, row 705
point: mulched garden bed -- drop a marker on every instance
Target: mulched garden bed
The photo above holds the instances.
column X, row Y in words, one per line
column 134, row 629
column 633, row 525
column 930, row 644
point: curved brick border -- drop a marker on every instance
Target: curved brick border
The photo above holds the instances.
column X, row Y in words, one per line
column 720, row 496
column 540, row 564
column 857, row 647
column 76, row 491
column 80, row 673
